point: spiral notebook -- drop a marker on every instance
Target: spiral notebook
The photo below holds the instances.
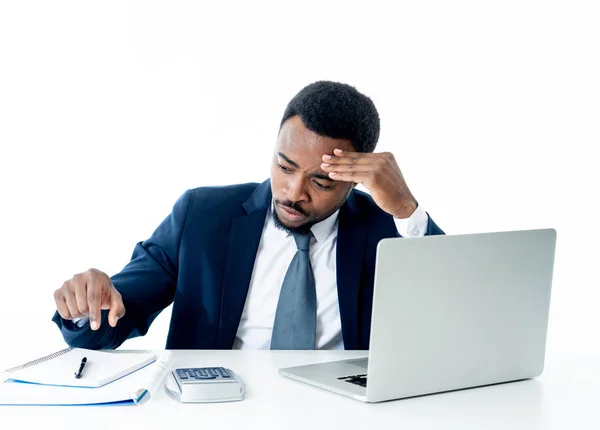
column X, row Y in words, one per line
column 108, row 377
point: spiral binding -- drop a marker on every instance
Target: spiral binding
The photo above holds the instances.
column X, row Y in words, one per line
column 38, row 361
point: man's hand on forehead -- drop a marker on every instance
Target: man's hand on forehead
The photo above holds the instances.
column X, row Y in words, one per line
column 379, row 173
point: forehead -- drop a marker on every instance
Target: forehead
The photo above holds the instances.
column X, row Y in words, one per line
column 297, row 140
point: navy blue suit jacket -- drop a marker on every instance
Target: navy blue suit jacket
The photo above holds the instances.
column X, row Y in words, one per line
column 201, row 258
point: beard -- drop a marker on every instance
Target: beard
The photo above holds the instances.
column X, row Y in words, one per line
column 301, row 229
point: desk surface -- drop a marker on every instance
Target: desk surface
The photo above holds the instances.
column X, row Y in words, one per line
column 565, row 396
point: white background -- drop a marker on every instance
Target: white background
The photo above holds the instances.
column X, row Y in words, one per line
column 110, row 110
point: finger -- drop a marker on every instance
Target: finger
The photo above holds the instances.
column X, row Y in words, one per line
column 357, row 177
column 346, row 168
column 95, row 287
column 61, row 305
column 117, row 309
column 72, row 304
column 340, row 152
column 81, row 294
column 341, row 156
column 350, row 158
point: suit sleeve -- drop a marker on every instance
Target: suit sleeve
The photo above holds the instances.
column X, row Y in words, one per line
column 147, row 285
column 432, row 227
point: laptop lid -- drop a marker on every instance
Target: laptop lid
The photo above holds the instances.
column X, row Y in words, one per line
column 452, row 312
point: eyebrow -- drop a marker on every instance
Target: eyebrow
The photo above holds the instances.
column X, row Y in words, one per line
column 295, row 165
column 288, row 160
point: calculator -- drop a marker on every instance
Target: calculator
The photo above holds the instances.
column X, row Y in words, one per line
column 205, row 384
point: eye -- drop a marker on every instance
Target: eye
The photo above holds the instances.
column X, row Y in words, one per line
column 321, row 186
column 284, row 169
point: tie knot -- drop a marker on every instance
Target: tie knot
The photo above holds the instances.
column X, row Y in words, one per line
column 302, row 240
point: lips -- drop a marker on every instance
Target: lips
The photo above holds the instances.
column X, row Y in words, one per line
column 291, row 214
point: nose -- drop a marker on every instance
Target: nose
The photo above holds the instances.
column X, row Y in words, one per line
column 295, row 190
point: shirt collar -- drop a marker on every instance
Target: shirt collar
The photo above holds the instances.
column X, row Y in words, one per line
column 323, row 229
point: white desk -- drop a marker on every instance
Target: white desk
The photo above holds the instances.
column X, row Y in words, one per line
column 566, row 396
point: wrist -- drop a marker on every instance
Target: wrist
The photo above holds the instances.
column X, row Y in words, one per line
column 406, row 209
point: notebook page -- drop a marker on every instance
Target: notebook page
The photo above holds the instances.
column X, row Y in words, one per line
column 138, row 387
column 102, row 367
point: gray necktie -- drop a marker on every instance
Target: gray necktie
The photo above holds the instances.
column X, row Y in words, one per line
column 296, row 316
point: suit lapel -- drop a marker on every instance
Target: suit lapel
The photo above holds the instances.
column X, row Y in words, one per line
column 246, row 231
column 351, row 248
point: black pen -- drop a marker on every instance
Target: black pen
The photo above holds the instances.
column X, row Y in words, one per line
column 81, row 366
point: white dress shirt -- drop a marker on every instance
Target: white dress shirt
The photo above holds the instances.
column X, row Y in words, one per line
column 275, row 252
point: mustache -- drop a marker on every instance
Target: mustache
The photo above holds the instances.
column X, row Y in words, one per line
column 292, row 205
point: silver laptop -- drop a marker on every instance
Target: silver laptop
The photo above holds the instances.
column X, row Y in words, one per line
column 449, row 312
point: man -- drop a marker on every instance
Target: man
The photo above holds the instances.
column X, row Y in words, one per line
column 285, row 264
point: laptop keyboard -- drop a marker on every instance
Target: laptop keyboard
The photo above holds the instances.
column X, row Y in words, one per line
column 355, row 379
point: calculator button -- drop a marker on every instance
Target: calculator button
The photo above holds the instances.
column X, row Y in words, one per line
column 201, row 374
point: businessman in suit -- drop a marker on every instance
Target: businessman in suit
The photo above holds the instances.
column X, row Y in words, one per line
column 284, row 264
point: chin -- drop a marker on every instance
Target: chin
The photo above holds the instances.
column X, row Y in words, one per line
column 290, row 227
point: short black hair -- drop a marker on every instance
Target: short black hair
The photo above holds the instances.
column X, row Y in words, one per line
column 338, row 111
